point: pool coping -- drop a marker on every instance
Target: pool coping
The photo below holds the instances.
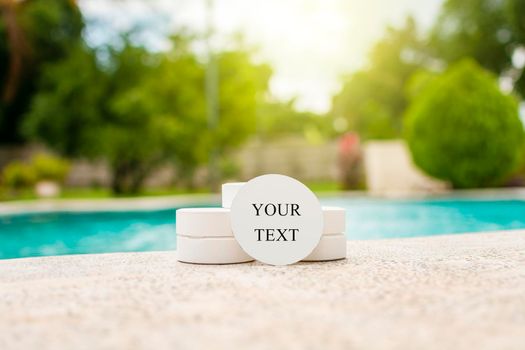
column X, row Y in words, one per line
column 446, row 292
column 167, row 202
column 105, row 204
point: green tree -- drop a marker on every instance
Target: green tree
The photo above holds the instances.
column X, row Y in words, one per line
column 242, row 89
column 172, row 98
column 129, row 137
column 33, row 33
column 160, row 118
column 70, row 105
column 462, row 129
column 372, row 100
column 85, row 109
column 280, row 119
column 514, row 11
column 487, row 30
column 475, row 28
column 139, row 109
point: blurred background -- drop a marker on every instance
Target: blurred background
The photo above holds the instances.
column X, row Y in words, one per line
column 126, row 97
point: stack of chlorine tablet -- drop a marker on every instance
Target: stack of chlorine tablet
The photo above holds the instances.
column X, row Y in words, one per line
column 332, row 245
column 205, row 236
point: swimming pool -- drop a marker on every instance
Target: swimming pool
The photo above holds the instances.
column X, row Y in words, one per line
column 56, row 233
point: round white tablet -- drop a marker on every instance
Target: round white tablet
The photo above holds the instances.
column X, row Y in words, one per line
column 229, row 191
column 216, row 250
column 330, row 247
column 203, row 222
column 276, row 219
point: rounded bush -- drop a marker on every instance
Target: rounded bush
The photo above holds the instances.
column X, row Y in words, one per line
column 461, row 128
column 17, row 175
column 52, row 168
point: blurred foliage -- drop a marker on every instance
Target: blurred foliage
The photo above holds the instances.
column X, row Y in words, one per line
column 281, row 119
column 138, row 109
column 475, row 28
column 18, row 175
column 242, row 87
column 141, row 109
column 33, row 33
column 165, row 106
column 462, row 129
column 372, row 100
column 69, row 104
column 405, row 67
column 49, row 167
column 487, row 30
column 514, row 10
column 134, row 108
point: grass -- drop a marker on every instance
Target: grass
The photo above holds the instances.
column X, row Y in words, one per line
column 106, row 193
column 324, row 186
column 100, row 192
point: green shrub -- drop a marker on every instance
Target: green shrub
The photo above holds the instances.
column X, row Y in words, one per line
column 48, row 167
column 461, row 128
column 18, row 175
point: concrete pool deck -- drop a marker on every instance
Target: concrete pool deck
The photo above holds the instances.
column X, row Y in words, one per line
column 445, row 292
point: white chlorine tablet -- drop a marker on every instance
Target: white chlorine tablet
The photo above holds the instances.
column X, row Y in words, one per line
column 330, row 247
column 334, row 219
column 204, row 222
column 211, row 250
column 204, row 236
column 229, row 191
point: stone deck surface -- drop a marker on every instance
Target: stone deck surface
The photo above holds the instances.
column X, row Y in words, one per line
column 446, row 292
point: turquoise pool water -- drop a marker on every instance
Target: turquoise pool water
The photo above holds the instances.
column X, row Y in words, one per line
column 40, row 234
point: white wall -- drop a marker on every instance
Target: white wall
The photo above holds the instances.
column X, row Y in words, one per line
column 390, row 171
